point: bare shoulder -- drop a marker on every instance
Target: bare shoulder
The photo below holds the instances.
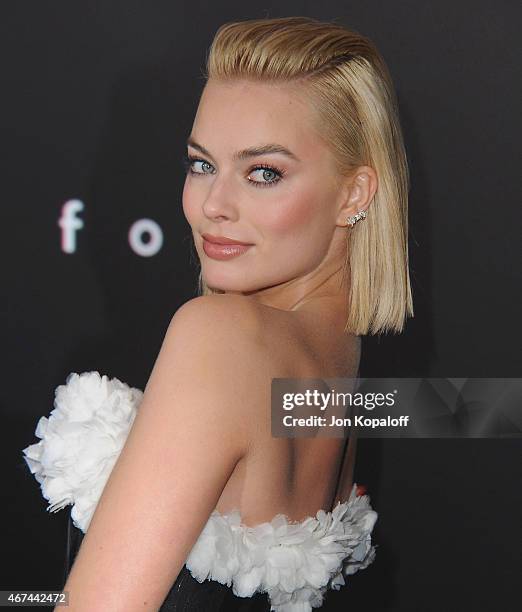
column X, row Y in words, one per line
column 219, row 339
column 211, row 362
column 237, row 343
column 230, row 319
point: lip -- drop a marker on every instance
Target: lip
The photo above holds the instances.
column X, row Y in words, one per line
column 223, row 251
column 223, row 240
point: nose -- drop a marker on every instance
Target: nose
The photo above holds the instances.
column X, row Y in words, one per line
column 219, row 204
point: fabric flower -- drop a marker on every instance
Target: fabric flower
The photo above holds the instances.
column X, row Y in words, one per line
column 81, row 441
column 294, row 563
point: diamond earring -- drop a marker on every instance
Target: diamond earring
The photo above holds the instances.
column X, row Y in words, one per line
column 353, row 220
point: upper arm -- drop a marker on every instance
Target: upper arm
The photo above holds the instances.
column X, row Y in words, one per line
column 190, row 431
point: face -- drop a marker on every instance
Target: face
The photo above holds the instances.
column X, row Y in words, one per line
column 284, row 203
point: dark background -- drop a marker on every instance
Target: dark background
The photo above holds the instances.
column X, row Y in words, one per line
column 97, row 101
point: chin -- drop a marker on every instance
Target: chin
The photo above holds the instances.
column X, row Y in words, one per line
column 230, row 285
column 226, row 287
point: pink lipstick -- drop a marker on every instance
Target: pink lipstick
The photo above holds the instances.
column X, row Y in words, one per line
column 222, row 248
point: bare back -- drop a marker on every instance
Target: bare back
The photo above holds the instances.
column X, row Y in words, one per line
column 293, row 476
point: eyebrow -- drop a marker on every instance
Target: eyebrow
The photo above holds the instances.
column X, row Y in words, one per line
column 250, row 152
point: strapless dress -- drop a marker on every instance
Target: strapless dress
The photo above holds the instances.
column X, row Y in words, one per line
column 278, row 565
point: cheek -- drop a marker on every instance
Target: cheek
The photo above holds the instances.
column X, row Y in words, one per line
column 291, row 217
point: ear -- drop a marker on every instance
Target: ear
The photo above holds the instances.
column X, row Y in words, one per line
column 357, row 194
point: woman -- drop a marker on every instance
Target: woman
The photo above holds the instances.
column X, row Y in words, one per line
column 296, row 193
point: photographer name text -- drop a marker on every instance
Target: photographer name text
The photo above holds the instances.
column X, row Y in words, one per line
column 359, row 421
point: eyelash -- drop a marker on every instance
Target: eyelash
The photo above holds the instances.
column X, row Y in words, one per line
column 188, row 160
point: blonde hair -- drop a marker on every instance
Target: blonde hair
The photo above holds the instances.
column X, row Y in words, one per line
column 352, row 90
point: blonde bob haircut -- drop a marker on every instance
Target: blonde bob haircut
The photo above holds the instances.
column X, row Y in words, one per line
column 349, row 85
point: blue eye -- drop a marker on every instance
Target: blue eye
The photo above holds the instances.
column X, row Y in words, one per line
column 271, row 174
column 188, row 162
column 265, row 169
